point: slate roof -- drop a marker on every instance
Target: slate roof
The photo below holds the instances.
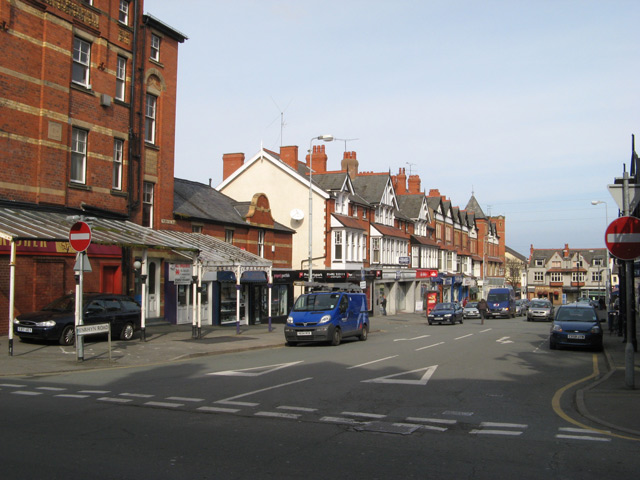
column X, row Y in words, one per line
column 411, row 204
column 199, row 201
column 474, row 206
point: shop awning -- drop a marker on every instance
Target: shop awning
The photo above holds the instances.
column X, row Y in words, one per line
column 22, row 224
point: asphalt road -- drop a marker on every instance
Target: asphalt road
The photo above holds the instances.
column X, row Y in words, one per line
column 414, row 401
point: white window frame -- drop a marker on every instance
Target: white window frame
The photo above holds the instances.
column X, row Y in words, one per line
column 121, row 78
column 118, row 157
column 596, row 277
column 577, row 277
column 81, row 62
column 79, row 142
column 154, row 53
column 338, row 246
column 375, row 250
column 123, row 12
column 150, row 111
column 538, row 276
column 147, row 204
column 261, row 243
column 228, row 236
column 557, row 277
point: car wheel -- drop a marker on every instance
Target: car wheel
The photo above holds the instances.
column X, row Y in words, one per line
column 68, row 335
column 127, row 332
column 430, row 322
column 365, row 333
column 291, row 343
column 336, row 337
column 461, row 320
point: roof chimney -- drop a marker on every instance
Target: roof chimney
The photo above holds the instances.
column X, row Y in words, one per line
column 400, row 182
column 434, row 192
column 414, row 184
column 230, row 163
column 566, row 250
column 349, row 164
column 319, row 163
column 289, row 155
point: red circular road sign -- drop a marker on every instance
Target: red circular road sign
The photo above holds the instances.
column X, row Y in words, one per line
column 80, row 236
column 622, row 238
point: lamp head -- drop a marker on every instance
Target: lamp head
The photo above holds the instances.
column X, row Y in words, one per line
column 326, row 138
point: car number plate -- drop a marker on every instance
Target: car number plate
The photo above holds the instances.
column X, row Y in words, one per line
column 25, row 329
column 575, row 337
column 304, row 333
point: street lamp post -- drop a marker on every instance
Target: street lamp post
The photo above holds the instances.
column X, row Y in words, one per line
column 325, row 138
column 607, row 283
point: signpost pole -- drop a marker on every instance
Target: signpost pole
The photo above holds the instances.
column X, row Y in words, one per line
column 628, row 268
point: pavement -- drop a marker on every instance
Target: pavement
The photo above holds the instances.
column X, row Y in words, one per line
column 604, row 399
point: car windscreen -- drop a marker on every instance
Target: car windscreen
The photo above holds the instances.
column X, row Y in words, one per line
column 314, row 302
column 535, row 304
column 576, row 315
column 498, row 297
column 63, row 304
column 444, row 306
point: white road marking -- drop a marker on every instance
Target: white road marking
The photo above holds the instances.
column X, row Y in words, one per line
column 464, row 336
column 292, row 416
column 392, row 378
column 239, row 404
column 26, row 392
column 164, row 404
column 588, row 434
column 51, row 389
column 423, row 427
column 97, row 392
column 373, row 361
column 495, row 432
column 297, row 409
column 348, row 421
column 231, row 399
column 185, row 399
column 485, row 330
column 363, row 414
column 71, row 395
column 218, row 410
column 431, row 420
column 115, row 400
column 254, row 371
column 12, row 385
column 504, row 340
column 136, row 395
column 583, row 437
column 503, row 425
column 409, row 339
column 429, row 346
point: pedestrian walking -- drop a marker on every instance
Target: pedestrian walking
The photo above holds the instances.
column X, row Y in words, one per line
column 383, row 305
column 482, row 308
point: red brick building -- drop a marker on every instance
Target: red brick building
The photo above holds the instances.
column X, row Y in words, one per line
column 88, row 90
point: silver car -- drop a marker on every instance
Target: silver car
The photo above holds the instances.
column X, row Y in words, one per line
column 471, row 310
column 540, row 309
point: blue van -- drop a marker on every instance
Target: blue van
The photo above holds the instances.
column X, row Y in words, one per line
column 501, row 302
column 327, row 316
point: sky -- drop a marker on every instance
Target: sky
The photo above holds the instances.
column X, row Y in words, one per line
column 528, row 105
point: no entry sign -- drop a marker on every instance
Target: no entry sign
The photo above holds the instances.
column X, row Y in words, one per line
column 80, row 236
column 622, row 238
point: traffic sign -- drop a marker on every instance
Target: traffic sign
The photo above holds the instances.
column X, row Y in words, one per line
column 622, row 238
column 80, row 236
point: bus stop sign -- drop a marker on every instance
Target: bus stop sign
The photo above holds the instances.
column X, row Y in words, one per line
column 622, row 238
column 80, row 236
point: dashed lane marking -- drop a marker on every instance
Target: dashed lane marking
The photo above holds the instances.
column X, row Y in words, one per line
column 372, row 362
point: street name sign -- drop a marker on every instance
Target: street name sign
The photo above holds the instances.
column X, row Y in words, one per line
column 80, row 236
column 622, row 238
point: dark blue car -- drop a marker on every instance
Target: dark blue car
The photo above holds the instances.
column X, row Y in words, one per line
column 576, row 325
column 449, row 312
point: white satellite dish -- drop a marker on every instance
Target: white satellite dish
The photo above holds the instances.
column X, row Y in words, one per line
column 297, row 214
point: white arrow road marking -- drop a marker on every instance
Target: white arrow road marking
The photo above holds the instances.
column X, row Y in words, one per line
column 254, row 371
column 504, row 340
column 392, row 378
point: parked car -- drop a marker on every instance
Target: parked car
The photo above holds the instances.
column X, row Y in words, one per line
column 450, row 312
column 327, row 316
column 521, row 307
column 540, row 309
column 471, row 310
column 56, row 321
column 576, row 325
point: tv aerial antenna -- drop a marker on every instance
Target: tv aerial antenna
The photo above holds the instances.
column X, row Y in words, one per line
column 281, row 116
column 345, row 140
column 410, row 165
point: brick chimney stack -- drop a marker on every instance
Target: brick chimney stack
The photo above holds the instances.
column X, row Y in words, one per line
column 230, row 163
column 289, row 155
column 349, row 164
column 434, row 192
column 566, row 250
column 414, row 184
column 319, row 164
column 400, row 182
